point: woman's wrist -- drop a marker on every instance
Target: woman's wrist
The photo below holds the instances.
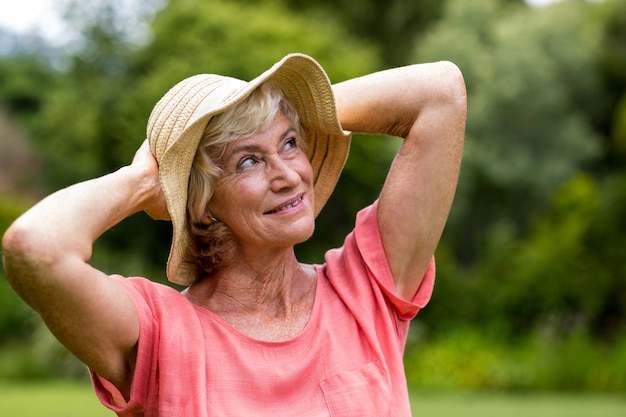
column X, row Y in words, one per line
column 142, row 183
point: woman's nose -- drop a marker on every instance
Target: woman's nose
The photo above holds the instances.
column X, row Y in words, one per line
column 283, row 174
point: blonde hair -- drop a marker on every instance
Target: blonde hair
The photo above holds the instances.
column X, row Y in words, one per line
column 212, row 246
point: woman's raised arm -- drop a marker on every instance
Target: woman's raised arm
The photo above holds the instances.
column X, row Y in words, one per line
column 46, row 253
column 426, row 105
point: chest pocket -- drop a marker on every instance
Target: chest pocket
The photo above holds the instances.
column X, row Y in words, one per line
column 361, row 393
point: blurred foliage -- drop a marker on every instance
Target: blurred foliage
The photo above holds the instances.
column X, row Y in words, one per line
column 529, row 83
column 396, row 25
column 612, row 64
column 566, row 276
column 468, row 359
column 532, row 257
column 392, row 25
column 544, row 233
column 13, row 312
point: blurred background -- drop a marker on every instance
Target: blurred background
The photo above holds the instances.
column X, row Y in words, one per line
column 531, row 284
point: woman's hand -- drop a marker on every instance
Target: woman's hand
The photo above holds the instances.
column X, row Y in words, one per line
column 155, row 204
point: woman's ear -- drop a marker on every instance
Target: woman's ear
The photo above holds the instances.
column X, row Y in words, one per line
column 207, row 218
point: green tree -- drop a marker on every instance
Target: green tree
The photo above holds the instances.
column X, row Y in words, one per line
column 542, row 185
column 566, row 276
column 530, row 75
column 390, row 24
column 612, row 64
column 393, row 25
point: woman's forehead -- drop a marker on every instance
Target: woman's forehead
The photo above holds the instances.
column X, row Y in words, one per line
column 279, row 128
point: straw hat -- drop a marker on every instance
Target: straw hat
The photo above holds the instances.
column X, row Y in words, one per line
column 177, row 122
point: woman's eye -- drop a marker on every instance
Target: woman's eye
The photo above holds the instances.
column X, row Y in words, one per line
column 246, row 162
column 291, row 143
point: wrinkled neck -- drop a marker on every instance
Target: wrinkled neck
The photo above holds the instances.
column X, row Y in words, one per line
column 268, row 286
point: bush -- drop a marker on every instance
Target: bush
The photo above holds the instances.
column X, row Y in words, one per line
column 13, row 312
column 472, row 359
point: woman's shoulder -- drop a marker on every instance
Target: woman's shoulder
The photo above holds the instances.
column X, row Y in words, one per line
column 152, row 292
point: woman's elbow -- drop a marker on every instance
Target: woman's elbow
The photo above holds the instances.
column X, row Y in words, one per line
column 18, row 252
column 452, row 85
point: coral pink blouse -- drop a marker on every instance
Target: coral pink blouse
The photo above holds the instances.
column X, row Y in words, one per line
column 346, row 362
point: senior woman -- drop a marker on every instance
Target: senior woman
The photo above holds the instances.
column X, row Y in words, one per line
column 242, row 169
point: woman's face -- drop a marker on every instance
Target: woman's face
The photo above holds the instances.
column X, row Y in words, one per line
column 265, row 194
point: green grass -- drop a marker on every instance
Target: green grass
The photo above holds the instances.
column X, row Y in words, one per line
column 66, row 399
column 485, row 404
column 52, row 399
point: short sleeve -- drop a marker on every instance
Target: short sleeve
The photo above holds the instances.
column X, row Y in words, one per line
column 370, row 247
column 107, row 393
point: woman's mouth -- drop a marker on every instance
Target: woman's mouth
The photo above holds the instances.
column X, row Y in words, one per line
column 287, row 206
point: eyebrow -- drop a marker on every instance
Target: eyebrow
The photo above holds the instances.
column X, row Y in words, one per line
column 252, row 148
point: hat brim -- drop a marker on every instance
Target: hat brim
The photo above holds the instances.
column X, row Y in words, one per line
column 174, row 139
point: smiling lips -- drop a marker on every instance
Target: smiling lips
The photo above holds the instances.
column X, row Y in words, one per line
column 287, row 206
